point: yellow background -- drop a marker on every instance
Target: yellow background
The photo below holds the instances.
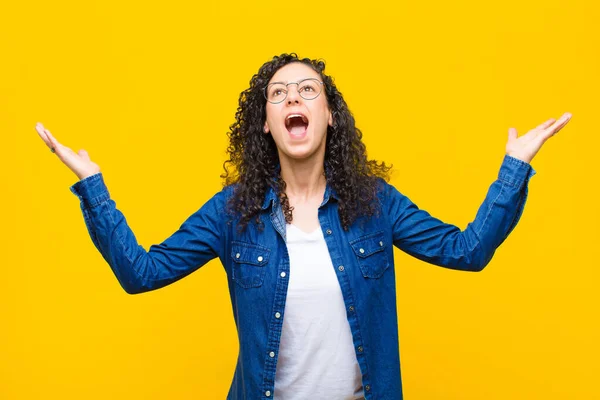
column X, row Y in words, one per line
column 149, row 90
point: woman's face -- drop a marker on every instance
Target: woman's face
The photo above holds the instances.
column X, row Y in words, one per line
column 303, row 136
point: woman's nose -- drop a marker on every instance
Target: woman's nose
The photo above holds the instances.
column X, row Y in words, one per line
column 293, row 96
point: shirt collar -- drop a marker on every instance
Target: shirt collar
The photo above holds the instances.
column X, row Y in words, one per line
column 271, row 196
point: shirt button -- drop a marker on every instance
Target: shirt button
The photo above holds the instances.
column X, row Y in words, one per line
column 362, row 251
column 351, row 308
column 381, row 244
column 268, row 393
column 271, row 354
column 282, row 274
column 329, row 232
column 341, row 267
column 277, row 315
column 237, row 255
column 367, row 387
column 260, row 258
column 360, row 349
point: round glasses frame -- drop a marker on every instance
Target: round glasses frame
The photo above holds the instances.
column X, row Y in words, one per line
column 266, row 89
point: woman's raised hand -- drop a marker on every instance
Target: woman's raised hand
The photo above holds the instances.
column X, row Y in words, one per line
column 527, row 146
column 79, row 162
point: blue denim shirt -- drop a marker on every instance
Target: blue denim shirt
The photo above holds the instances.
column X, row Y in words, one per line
column 258, row 268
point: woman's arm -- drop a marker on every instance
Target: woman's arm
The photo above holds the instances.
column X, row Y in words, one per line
column 431, row 240
column 197, row 241
column 419, row 234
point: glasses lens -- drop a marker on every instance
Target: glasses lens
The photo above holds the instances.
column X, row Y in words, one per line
column 309, row 88
column 276, row 92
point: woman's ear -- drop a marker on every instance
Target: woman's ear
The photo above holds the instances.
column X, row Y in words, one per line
column 266, row 127
column 330, row 122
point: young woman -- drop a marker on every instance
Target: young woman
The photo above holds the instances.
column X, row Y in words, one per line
column 305, row 227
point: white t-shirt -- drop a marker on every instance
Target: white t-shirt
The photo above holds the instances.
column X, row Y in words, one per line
column 316, row 354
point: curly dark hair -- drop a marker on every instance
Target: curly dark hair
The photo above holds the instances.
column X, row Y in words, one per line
column 255, row 159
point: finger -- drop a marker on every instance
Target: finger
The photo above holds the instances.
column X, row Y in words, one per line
column 546, row 124
column 53, row 142
column 557, row 126
column 512, row 134
column 40, row 130
column 63, row 152
column 562, row 121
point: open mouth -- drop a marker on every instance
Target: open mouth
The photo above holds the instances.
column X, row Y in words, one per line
column 296, row 124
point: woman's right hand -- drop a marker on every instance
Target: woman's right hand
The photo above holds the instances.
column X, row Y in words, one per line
column 79, row 162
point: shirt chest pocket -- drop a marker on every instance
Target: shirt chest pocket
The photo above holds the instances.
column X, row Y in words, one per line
column 249, row 264
column 371, row 253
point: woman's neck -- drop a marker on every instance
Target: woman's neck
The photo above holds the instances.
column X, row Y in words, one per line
column 305, row 179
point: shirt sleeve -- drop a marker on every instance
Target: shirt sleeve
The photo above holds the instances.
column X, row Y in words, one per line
column 197, row 241
column 429, row 239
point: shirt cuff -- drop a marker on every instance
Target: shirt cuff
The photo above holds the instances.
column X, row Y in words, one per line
column 91, row 190
column 515, row 172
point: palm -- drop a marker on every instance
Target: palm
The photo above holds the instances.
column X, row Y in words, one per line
column 527, row 146
column 79, row 162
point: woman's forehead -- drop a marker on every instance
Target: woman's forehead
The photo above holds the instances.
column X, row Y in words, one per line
column 294, row 72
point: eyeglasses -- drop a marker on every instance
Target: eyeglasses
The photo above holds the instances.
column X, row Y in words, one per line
column 308, row 89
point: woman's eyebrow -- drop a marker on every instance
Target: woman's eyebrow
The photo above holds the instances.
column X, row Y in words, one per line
column 285, row 83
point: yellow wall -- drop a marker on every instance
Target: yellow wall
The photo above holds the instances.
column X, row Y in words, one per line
column 150, row 90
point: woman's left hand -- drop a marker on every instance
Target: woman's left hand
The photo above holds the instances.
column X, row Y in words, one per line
column 526, row 147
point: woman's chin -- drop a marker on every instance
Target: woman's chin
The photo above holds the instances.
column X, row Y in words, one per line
column 299, row 146
column 299, row 152
column 299, row 155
